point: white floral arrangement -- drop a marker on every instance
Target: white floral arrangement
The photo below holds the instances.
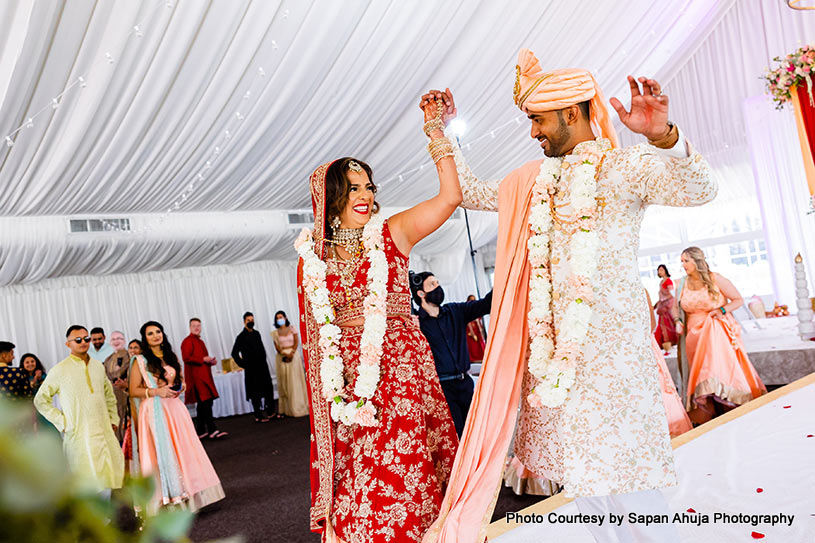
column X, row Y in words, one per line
column 552, row 360
column 361, row 411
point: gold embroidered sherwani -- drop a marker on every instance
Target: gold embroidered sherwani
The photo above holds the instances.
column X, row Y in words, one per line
column 611, row 434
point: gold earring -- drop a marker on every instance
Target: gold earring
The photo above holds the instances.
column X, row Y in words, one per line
column 335, row 223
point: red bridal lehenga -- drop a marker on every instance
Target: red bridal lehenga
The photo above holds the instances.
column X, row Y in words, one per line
column 385, row 483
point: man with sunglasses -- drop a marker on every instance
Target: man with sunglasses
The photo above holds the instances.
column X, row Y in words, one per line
column 88, row 416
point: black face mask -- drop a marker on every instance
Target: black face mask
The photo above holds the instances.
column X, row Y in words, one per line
column 250, row 325
column 435, row 296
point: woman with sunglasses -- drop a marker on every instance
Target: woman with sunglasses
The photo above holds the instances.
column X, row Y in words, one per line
column 163, row 437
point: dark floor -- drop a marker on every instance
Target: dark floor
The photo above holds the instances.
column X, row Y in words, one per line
column 264, row 472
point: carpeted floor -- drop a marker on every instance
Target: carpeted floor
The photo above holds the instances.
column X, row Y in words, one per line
column 264, row 472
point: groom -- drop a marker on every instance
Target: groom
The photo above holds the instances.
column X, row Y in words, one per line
column 570, row 334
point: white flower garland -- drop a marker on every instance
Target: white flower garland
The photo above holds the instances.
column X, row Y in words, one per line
column 552, row 359
column 361, row 412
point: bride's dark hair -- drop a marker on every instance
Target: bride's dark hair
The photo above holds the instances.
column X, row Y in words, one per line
column 154, row 365
column 337, row 187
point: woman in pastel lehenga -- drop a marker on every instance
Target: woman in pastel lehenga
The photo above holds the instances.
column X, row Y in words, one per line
column 165, row 444
column 291, row 375
column 383, row 440
column 714, row 363
column 678, row 420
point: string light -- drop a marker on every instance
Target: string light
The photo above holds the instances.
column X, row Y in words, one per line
column 80, row 81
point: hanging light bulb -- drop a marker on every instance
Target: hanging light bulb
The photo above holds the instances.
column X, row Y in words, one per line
column 217, row 151
column 227, row 135
column 286, row 14
column 247, row 95
column 274, row 45
column 82, row 82
column 54, row 103
column 138, row 31
column 261, row 72
column 239, row 116
column 190, row 187
column 176, row 205
column 207, row 165
column 109, row 57
column 9, row 141
column 200, row 177
column 29, row 123
column 401, row 178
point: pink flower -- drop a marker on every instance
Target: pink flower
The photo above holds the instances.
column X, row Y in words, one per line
column 790, row 68
column 304, row 237
column 366, row 415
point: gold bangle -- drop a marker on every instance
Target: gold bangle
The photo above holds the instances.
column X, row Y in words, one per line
column 437, row 123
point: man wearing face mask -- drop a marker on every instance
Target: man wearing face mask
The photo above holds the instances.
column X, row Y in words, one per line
column 445, row 327
column 249, row 353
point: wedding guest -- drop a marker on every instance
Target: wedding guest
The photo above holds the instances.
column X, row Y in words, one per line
column 165, row 444
column 117, row 365
column 720, row 376
column 291, row 374
column 34, row 369
column 99, row 350
column 133, row 348
column 445, row 327
column 200, row 385
column 87, row 414
column 476, row 337
column 665, row 333
column 14, row 382
column 248, row 352
column 678, row 421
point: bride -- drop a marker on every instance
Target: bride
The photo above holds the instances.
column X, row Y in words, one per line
column 383, row 441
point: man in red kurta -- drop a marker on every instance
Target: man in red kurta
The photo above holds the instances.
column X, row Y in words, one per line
column 200, row 386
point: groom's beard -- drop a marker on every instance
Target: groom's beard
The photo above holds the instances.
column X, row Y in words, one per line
column 559, row 142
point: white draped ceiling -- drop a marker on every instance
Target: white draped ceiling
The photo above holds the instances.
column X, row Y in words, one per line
column 294, row 83
column 200, row 121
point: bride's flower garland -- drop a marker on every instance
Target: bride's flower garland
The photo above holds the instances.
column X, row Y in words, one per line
column 361, row 412
column 552, row 359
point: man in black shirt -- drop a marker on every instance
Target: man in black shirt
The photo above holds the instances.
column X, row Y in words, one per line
column 445, row 327
column 249, row 353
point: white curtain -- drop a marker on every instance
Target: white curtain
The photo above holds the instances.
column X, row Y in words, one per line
column 35, row 317
column 781, row 187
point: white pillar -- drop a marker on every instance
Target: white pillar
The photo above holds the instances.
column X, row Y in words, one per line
column 805, row 325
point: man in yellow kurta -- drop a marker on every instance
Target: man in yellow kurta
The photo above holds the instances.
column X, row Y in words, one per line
column 88, row 414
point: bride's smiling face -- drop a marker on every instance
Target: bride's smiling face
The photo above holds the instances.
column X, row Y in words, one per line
column 360, row 205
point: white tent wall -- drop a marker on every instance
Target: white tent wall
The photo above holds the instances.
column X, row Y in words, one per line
column 35, row 317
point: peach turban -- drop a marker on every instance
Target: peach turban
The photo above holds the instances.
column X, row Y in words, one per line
column 537, row 91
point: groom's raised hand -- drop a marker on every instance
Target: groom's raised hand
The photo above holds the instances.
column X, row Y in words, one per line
column 649, row 109
column 445, row 97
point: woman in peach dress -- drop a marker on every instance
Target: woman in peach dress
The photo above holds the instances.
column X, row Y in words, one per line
column 165, row 443
column 719, row 374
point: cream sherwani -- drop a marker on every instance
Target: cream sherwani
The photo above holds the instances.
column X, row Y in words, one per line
column 88, row 411
column 611, row 435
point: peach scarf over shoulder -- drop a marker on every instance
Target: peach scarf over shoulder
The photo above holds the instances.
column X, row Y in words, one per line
column 476, row 477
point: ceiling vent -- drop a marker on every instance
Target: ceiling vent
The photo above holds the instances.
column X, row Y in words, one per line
column 99, row 225
column 299, row 219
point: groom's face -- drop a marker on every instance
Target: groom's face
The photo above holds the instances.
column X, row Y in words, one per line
column 553, row 130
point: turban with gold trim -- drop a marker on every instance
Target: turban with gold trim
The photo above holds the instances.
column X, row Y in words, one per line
column 537, row 91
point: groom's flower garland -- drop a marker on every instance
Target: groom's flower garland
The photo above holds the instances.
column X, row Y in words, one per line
column 552, row 360
column 361, row 412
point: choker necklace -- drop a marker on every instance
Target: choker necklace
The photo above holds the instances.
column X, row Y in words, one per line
column 348, row 238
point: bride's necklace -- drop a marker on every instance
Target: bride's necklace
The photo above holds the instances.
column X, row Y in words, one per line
column 349, row 239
